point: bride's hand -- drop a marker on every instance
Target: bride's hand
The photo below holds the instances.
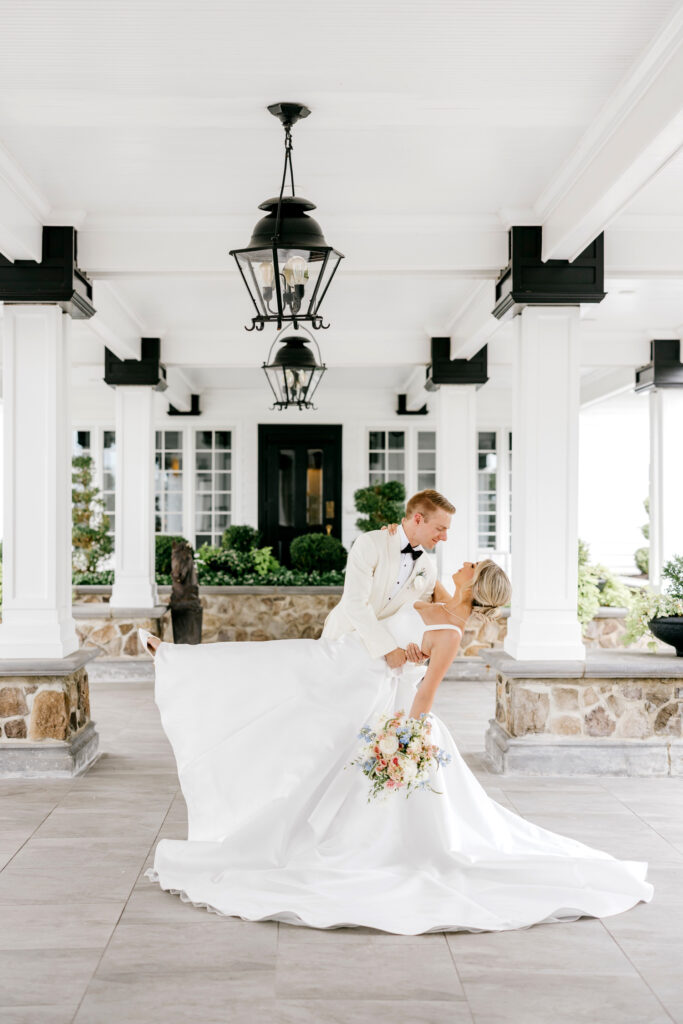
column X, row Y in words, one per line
column 415, row 654
column 392, row 528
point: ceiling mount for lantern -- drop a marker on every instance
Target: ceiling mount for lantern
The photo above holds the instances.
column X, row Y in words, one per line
column 287, row 266
column 293, row 373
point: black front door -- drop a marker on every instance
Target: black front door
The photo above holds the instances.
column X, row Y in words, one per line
column 299, row 483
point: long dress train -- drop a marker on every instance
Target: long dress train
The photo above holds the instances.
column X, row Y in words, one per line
column 279, row 828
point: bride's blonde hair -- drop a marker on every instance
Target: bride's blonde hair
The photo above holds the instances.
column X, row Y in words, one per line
column 491, row 590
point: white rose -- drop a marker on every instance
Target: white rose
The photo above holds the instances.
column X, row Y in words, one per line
column 409, row 770
column 388, row 745
column 415, row 746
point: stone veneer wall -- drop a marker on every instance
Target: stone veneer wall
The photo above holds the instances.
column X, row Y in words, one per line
column 622, row 708
column 44, row 707
column 281, row 613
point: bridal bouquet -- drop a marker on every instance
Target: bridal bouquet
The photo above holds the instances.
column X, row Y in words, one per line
column 398, row 754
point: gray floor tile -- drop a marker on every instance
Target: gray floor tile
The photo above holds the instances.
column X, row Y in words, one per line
column 53, row 976
column 36, row 1014
column 530, row 997
column 367, row 970
column 369, row 1011
column 57, row 925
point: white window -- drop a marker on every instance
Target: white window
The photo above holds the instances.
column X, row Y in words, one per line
column 168, row 482
column 81, row 442
column 213, row 485
column 494, row 489
column 109, row 475
column 426, row 459
column 387, row 456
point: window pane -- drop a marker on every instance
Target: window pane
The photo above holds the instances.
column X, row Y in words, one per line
column 173, row 461
column 487, row 481
column 396, row 439
column 376, row 461
column 222, row 439
column 487, row 440
column 222, row 460
column 425, row 480
column 396, row 476
column 222, row 521
column 157, row 439
column 203, row 439
column 173, row 439
column 202, row 538
column 204, row 502
column 426, row 440
column 174, row 523
column 221, row 481
column 396, row 460
column 376, row 440
column 109, row 439
column 376, row 478
column 204, row 481
column 203, row 521
column 221, row 502
column 426, row 460
column 203, row 460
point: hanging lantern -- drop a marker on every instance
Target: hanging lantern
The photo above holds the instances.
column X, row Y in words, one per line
column 287, row 266
column 293, row 373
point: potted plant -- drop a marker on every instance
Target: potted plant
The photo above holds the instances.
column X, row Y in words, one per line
column 661, row 615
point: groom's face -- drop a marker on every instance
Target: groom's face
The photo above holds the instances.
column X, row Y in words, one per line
column 429, row 530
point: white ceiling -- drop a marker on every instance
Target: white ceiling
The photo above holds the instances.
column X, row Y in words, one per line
column 435, row 125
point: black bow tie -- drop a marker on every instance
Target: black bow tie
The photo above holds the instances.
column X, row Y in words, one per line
column 410, row 550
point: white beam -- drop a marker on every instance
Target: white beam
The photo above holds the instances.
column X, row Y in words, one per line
column 114, row 322
column 636, row 133
column 414, row 389
column 23, row 211
column 177, row 392
column 474, row 324
column 603, row 384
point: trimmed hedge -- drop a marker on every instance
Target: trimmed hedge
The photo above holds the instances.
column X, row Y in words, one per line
column 317, row 552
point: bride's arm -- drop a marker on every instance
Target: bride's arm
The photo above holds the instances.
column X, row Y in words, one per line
column 444, row 649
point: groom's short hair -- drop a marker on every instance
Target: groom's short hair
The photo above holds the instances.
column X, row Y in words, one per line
column 427, row 502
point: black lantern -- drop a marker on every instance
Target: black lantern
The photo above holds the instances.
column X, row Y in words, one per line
column 294, row 374
column 287, row 266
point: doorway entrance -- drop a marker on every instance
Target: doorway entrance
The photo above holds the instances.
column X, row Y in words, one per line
column 299, row 483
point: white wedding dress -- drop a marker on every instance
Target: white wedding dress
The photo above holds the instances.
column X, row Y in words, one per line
column 279, row 828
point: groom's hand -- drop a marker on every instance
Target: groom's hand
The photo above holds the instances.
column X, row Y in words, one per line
column 396, row 658
column 415, row 655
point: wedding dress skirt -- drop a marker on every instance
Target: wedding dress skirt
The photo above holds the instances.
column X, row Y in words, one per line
column 279, row 828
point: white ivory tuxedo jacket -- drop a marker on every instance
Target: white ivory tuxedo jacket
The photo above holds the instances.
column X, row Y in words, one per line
column 371, row 573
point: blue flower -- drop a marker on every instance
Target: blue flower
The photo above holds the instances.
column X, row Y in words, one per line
column 369, row 765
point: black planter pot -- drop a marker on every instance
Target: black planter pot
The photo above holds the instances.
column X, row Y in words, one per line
column 669, row 629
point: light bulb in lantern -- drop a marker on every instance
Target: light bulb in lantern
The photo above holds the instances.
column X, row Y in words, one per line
column 296, row 383
column 295, row 270
column 266, row 273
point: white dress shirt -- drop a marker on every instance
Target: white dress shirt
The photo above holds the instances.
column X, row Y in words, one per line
column 406, row 563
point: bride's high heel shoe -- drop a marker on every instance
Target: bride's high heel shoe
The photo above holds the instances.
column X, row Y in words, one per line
column 144, row 635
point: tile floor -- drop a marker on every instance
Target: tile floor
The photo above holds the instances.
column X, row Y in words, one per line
column 84, row 938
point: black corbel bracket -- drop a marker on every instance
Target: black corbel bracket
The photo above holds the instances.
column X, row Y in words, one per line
column 147, row 371
column 664, row 369
column 194, row 409
column 404, row 411
column 445, row 370
column 56, row 279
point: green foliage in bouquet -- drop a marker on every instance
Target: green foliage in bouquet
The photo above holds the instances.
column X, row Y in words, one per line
column 91, row 541
column 380, row 504
column 241, row 538
column 647, row 605
column 317, row 552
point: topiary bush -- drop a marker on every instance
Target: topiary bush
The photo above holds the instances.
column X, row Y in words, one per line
column 317, row 552
column 380, row 504
column 240, row 538
column 163, row 549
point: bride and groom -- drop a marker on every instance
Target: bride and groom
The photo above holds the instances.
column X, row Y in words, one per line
column 279, row 824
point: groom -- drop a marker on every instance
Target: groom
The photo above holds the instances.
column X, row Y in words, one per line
column 381, row 575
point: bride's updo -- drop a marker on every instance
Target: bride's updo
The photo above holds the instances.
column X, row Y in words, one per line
column 491, row 590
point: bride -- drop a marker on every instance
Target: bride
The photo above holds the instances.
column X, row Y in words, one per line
column 279, row 824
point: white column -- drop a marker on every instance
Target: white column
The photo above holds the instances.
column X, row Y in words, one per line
column 36, row 610
column 134, row 576
column 543, row 624
column 666, row 479
column 456, row 474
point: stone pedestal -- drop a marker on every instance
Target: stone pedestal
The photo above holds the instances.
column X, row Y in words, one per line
column 113, row 632
column 45, row 724
column 614, row 714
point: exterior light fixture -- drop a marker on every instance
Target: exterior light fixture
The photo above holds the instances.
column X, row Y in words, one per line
column 293, row 373
column 287, row 266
